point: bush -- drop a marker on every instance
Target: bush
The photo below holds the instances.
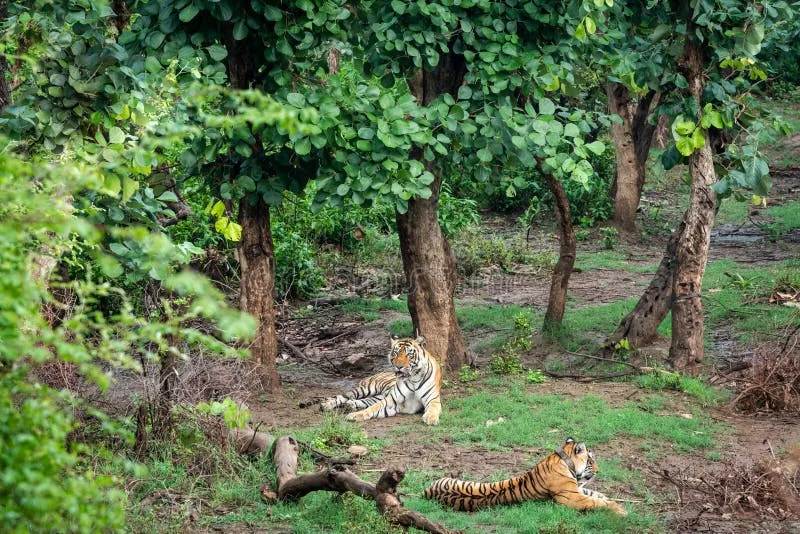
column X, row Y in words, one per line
column 296, row 272
column 474, row 251
column 589, row 203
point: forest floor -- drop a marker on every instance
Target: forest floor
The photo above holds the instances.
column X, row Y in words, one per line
column 669, row 450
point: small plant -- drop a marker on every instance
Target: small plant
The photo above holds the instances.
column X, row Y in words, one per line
column 582, row 234
column 738, row 281
column 234, row 415
column 608, row 237
column 623, row 349
column 535, row 376
column 467, row 374
column 507, row 361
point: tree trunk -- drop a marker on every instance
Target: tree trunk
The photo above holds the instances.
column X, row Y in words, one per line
column 566, row 255
column 5, row 89
column 686, row 350
column 427, row 258
column 256, row 256
column 632, row 140
column 162, row 411
column 430, row 271
column 640, row 326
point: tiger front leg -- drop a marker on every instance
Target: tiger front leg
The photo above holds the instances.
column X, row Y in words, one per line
column 377, row 410
column 432, row 412
column 577, row 500
column 332, row 403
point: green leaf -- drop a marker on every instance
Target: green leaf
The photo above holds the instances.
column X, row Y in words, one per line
column 398, row 7
column 571, row 130
column 670, row 158
column 464, row 92
column 342, row 190
column 152, row 64
column 217, row 52
column 484, row 155
column 580, row 32
column 188, row 13
column 546, row 106
column 168, row 196
column 116, row 135
column 685, row 146
column 218, row 209
column 112, row 184
column 302, row 146
column 233, row 231
column 591, row 27
column 596, row 147
column 244, row 150
column 246, row 183
column 155, row 39
column 697, row 138
column 240, row 30
column 129, row 187
column 685, row 127
column 366, row 133
column 272, row 13
column 296, row 99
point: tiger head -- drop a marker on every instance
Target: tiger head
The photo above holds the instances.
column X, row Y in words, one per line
column 406, row 356
column 579, row 459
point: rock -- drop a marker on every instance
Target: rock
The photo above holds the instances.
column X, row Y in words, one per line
column 357, row 360
column 357, row 450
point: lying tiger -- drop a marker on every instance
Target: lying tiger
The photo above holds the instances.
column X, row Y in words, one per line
column 556, row 477
column 411, row 388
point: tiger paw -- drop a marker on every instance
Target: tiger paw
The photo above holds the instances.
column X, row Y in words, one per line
column 328, row 404
column 430, row 418
column 356, row 416
column 351, row 406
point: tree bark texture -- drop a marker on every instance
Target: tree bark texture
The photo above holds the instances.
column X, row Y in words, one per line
column 557, row 300
column 256, row 256
column 255, row 250
column 686, row 350
column 632, row 140
column 340, row 479
column 640, row 326
column 5, row 87
column 428, row 261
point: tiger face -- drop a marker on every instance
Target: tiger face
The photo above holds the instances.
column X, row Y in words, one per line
column 406, row 356
column 582, row 458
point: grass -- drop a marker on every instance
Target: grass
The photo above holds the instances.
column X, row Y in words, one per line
column 471, row 318
column 546, row 420
column 786, row 216
column 370, row 309
column 692, row 386
column 732, row 211
column 740, row 298
column 612, row 260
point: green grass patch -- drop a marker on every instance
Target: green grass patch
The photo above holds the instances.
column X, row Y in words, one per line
column 546, row 420
column 787, row 217
column 737, row 295
column 692, row 386
column 370, row 309
column 732, row 211
column 471, row 318
column 612, row 260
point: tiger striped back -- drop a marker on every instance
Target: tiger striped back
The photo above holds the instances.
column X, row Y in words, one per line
column 556, row 477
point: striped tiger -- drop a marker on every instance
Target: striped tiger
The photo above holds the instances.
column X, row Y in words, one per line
column 556, row 477
column 412, row 387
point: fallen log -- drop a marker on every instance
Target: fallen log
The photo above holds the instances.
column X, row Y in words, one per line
column 338, row 478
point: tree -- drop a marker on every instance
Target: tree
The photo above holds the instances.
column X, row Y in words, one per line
column 708, row 71
column 476, row 70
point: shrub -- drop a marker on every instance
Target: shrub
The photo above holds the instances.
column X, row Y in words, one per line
column 296, row 272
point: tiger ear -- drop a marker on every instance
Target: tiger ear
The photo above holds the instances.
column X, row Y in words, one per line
column 579, row 448
column 395, row 338
column 569, row 440
column 420, row 340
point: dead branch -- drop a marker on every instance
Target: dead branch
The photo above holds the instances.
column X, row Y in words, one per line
column 340, row 479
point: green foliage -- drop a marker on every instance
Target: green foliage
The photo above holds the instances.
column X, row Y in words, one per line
column 697, row 388
column 535, row 376
column 474, row 250
column 296, row 272
column 234, row 415
column 507, row 361
column 467, row 374
column 608, row 237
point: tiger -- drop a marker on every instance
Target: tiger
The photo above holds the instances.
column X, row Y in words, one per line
column 413, row 386
column 558, row 477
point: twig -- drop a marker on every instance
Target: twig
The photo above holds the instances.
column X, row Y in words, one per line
column 602, row 359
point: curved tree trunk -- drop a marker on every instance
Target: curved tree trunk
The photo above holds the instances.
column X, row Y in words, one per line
column 640, row 326
column 256, row 256
column 632, row 140
column 691, row 255
column 557, row 301
column 428, row 261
